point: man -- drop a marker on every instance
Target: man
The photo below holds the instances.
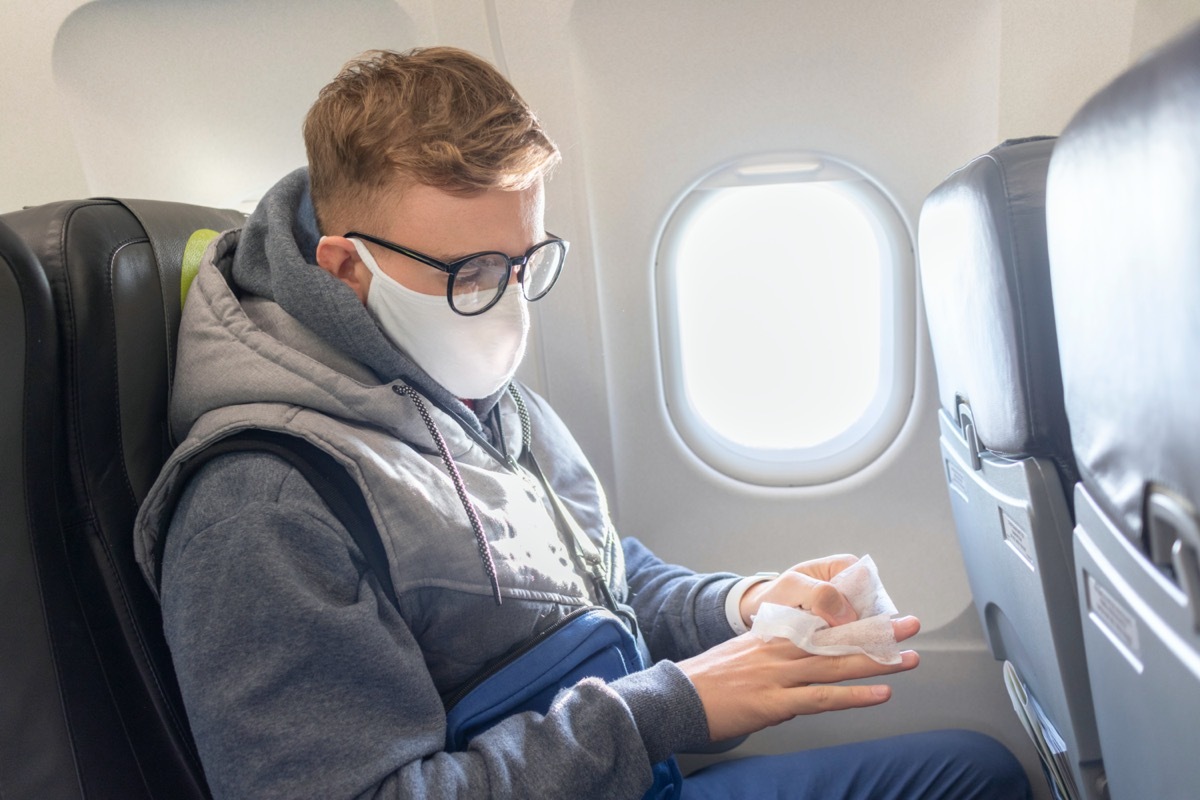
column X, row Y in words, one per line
column 376, row 305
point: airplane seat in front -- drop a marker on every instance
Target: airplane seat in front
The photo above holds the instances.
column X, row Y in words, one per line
column 102, row 691
column 1006, row 445
column 1123, row 210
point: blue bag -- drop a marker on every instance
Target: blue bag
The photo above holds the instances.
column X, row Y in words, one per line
column 588, row 643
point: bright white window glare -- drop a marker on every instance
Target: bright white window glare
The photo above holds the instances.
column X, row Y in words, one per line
column 779, row 313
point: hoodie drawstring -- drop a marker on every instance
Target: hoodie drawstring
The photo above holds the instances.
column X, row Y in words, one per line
column 485, row 553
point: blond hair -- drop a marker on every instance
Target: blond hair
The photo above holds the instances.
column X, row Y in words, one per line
column 437, row 116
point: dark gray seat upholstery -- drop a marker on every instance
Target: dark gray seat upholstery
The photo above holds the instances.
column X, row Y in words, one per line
column 90, row 300
column 1123, row 210
column 1005, row 440
column 39, row 609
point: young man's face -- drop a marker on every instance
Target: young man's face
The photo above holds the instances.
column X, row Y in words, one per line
column 444, row 226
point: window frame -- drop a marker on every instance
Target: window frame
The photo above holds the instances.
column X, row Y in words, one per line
column 866, row 439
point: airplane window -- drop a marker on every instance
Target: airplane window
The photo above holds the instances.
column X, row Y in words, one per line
column 785, row 299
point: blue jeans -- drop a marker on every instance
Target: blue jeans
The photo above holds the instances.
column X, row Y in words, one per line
column 939, row 765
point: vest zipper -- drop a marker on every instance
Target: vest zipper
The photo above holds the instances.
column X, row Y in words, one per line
column 581, row 547
column 478, row 438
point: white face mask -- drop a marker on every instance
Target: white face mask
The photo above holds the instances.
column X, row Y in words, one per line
column 471, row 357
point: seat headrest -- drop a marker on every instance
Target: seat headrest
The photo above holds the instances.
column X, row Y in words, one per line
column 1123, row 210
column 986, row 284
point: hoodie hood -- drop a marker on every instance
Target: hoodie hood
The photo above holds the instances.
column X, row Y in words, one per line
column 276, row 260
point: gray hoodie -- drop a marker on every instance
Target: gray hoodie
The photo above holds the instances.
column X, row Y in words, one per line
column 299, row 677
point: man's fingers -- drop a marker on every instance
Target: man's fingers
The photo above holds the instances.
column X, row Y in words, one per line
column 905, row 627
column 817, row 699
column 825, row 568
column 819, row 597
column 746, row 684
column 835, row 669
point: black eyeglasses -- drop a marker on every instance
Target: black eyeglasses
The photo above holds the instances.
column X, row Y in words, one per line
column 478, row 280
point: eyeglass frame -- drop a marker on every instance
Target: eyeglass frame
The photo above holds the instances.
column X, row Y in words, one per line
column 453, row 267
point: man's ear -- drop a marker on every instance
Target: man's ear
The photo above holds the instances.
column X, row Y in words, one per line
column 338, row 256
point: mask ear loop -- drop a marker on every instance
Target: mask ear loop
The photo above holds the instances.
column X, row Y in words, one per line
column 368, row 259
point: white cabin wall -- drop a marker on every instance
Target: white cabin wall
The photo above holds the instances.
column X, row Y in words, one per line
column 574, row 369
column 1057, row 55
column 219, row 122
column 1156, row 21
column 908, row 91
column 40, row 162
column 858, row 83
column 187, row 101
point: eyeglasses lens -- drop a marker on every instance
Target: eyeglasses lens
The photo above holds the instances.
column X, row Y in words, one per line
column 542, row 268
column 478, row 282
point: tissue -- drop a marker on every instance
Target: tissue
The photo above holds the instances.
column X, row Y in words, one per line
column 871, row 634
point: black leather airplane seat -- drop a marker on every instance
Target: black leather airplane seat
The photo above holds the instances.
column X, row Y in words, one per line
column 1123, row 211
column 93, row 296
column 1006, row 444
column 39, row 610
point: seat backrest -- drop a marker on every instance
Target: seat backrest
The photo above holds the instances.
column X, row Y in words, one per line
column 34, row 731
column 1005, row 440
column 114, row 274
column 1123, row 211
column 986, row 283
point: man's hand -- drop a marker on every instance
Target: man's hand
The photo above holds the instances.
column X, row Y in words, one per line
column 747, row 684
column 805, row 586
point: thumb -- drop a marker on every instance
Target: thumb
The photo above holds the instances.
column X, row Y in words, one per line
column 829, row 604
column 822, row 598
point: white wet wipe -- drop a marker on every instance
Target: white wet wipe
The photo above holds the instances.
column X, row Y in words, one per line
column 871, row 634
